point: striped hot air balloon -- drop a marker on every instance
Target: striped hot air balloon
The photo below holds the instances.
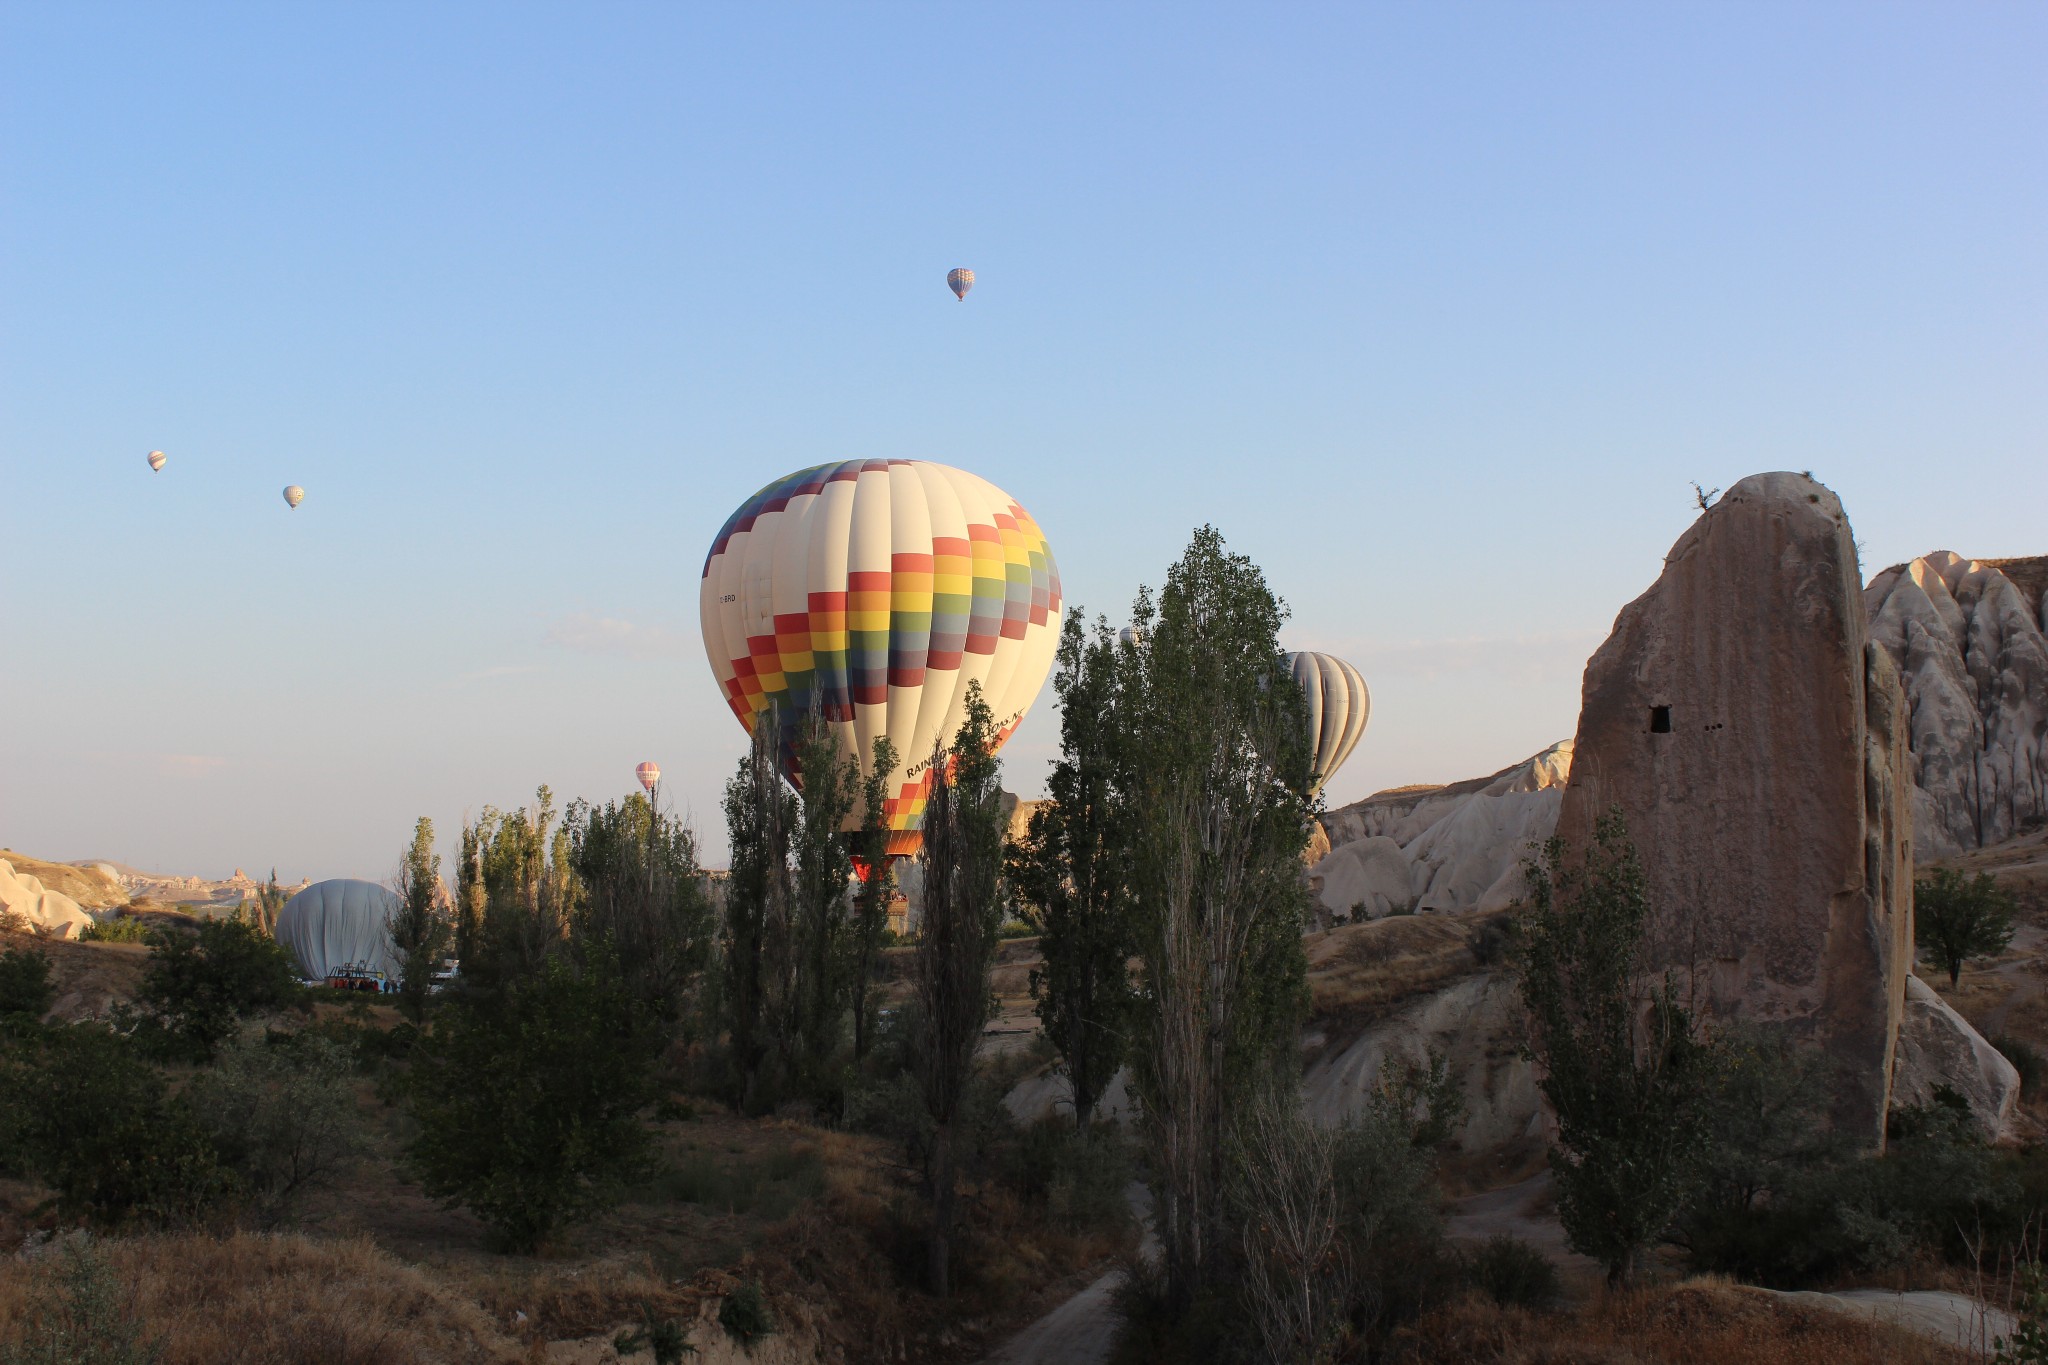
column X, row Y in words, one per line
column 1337, row 707
column 157, row 459
column 960, row 281
column 294, row 495
column 649, row 774
column 880, row 589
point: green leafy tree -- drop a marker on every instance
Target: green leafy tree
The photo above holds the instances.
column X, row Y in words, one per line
column 421, row 931
column 1956, row 918
column 822, row 925
column 644, row 901
column 759, row 815
column 1070, row 874
column 528, row 1100
column 1216, row 779
column 524, row 889
column 199, row 987
column 1624, row 1068
column 962, row 858
column 25, row 987
column 871, row 905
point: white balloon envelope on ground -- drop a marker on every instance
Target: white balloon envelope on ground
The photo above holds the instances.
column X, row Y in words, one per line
column 1337, row 707
column 338, row 924
column 878, row 590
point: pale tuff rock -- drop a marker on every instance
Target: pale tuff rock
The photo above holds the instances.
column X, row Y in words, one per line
column 46, row 912
column 1754, row 741
column 1967, row 637
column 1938, row 1047
column 1459, row 847
column 1476, row 1025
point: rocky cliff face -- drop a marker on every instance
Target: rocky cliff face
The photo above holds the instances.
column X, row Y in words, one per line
column 1756, row 743
column 1967, row 637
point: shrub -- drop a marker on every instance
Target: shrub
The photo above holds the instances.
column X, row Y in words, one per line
column 529, row 1101
column 120, row 929
column 94, row 1123
column 1077, row 1178
column 1514, row 1274
column 745, row 1314
column 25, row 987
column 78, row 1317
column 198, row 987
column 280, row 1113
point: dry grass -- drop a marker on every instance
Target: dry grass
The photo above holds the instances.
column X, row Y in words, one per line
column 1365, row 970
column 280, row 1300
column 88, row 976
column 1699, row 1322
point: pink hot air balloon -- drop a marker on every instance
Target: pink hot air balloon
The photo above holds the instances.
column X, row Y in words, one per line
column 649, row 774
column 960, row 281
column 156, row 459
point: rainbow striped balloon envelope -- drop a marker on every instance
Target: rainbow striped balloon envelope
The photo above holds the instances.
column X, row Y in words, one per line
column 880, row 589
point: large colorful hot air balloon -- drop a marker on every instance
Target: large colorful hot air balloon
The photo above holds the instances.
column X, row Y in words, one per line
column 649, row 774
column 157, row 459
column 294, row 495
column 881, row 589
column 1337, row 708
column 960, row 281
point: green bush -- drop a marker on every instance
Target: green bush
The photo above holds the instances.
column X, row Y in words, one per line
column 280, row 1112
column 745, row 1314
column 198, row 987
column 120, row 929
column 94, row 1122
column 1077, row 1178
column 771, row 1187
column 1514, row 1274
column 25, row 987
column 529, row 1101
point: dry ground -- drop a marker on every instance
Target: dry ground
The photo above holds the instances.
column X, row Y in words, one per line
column 829, row 1222
column 1696, row 1322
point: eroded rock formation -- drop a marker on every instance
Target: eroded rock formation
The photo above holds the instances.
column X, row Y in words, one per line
column 44, row 911
column 1938, row 1047
column 1755, row 741
column 1459, row 847
column 1967, row 637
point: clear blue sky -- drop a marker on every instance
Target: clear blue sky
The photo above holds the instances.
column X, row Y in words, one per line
column 1434, row 310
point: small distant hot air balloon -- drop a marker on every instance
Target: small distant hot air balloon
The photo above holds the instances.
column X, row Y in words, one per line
column 157, row 459
column 649, row 774
column 1337, row 707
column 294, row 495
column 960, row 281
column 1132, row 636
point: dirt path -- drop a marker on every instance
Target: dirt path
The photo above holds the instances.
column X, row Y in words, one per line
column 1081, row 1331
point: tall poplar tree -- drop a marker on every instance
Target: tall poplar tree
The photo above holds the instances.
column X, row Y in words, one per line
column 1217, row 772
column 1070, row 870
column 759, row 814
column 963, row 855
column 420, row 929
column 871, row 908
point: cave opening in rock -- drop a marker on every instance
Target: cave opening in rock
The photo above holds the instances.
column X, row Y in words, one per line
column 1660, row 720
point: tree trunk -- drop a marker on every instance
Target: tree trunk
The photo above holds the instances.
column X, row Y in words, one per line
column 942, row 1208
